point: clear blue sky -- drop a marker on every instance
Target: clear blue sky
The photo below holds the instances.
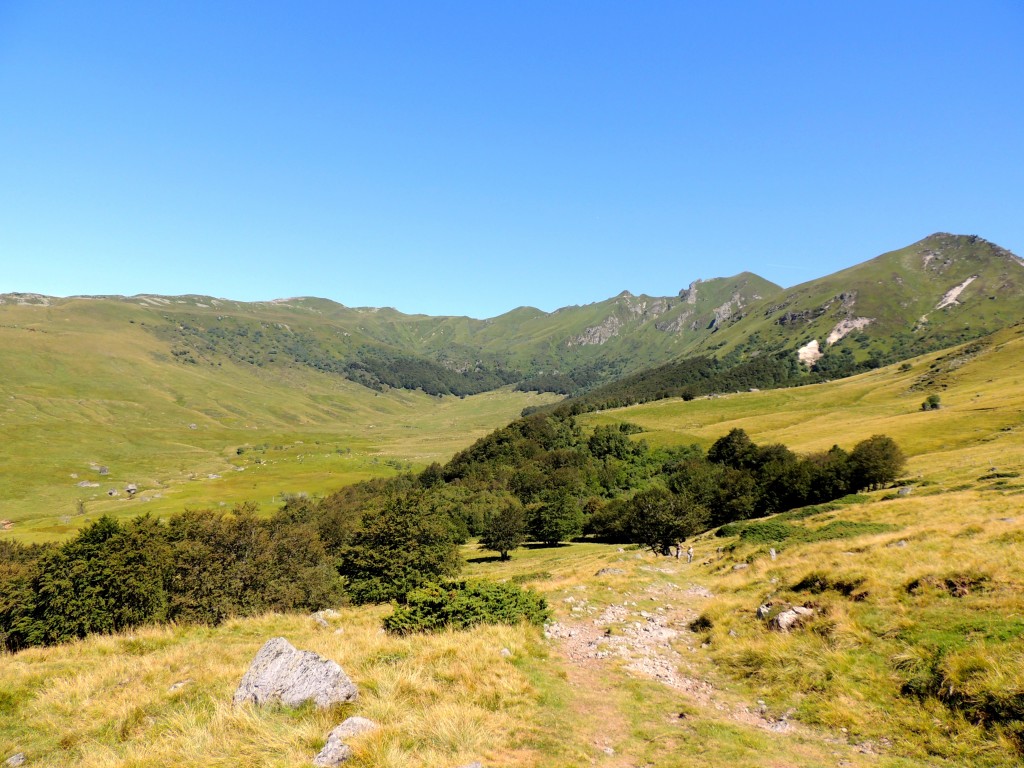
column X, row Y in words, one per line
column 470, row 157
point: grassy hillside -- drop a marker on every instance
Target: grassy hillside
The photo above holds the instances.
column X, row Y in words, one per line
column 383, row 348
column 979, row 426
column 931, row 294
column 86, row 388
column 913, row 657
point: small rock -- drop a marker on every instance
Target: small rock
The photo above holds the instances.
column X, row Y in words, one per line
column 477, row 764
column 609, row 572
column 15, row 760
column 321, row 621
column 279, row 672
column 336, row 751
column 791, row 618
column 772, row 553
column 180, row 684
column 740, row 566
column 353, row 726
column 332, row 754
column 763, row 610
column 505, row 652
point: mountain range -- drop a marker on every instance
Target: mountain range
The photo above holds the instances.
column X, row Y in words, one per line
column 940, row 291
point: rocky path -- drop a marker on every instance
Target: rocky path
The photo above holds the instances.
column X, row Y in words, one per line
column 645, row 641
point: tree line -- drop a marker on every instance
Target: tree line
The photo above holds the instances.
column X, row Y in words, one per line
column 542, row 479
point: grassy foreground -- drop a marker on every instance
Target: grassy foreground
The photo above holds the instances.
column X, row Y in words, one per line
column 916, row 646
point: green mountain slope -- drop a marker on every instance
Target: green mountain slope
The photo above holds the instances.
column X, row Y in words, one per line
column 91, row 401
column 935, row 293
column 939, row 291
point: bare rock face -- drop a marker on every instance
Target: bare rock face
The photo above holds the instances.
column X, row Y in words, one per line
column 336, row 751
column 281, row 673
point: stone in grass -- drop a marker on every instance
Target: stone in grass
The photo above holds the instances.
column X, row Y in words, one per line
column 791, row 618
column 336, row 751
column 280, row 673
column 15, row 760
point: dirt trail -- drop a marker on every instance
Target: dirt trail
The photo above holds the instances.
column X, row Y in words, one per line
column 643, row 640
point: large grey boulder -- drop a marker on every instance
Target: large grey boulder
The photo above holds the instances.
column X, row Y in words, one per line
column 336, row 751
column 280, row 673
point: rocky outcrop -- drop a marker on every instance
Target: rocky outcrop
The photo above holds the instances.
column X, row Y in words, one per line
column 281, row 673
column 809, row 353
column 598, row 334
column 676, row 325
column 847, row 326
column 951, row 296
column 689, row 295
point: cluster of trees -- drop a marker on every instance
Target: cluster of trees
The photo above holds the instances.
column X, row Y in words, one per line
column 377, row 369
column 544, row 480
column 204, row 566
column 540, row 479
column 689, row 378
column 201, row 566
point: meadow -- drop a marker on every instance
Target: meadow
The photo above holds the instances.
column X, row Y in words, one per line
column 85, row 411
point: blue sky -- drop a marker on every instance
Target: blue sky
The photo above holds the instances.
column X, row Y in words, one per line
column 471, row 157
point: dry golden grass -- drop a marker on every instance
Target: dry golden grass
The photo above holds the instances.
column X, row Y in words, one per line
column 113, row 701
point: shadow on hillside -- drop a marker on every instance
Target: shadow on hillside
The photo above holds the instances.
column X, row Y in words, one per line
column 484, row 559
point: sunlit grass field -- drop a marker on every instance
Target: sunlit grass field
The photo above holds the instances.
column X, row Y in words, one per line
column 76, row 399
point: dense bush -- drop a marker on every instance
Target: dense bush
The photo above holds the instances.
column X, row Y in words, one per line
column 203, row 566
column 461, row 605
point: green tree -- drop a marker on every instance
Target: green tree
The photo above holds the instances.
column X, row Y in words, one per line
column 735, row 450
column 504, row 529
column 875, row 462
column 558, row 518
column 660, row 519
column 404, row 544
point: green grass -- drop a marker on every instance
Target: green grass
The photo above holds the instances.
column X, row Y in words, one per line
column 99, row 392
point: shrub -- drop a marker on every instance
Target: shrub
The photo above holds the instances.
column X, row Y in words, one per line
column 460, row 605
